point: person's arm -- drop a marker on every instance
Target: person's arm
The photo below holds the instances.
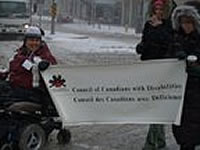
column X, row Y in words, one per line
column 177, row 48
column 141, row 44
column 43, row 57
column 47, row 55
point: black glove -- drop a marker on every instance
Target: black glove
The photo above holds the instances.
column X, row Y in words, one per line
column 140, row 48
column 181, row 55
column 43, row 65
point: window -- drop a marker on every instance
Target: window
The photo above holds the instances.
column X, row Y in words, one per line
column 12, row 7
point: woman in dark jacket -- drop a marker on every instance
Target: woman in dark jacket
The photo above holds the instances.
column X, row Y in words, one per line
column 186, row 23
column 156, row 36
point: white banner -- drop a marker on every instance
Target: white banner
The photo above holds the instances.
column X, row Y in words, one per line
column 144, row 92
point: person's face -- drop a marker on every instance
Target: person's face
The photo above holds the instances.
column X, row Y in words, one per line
column 187, row 24
column 33, row 43
column 158, row 10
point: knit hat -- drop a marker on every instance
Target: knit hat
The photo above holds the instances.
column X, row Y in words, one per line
column 169, row 6
column 33, row 32
column 189, row 10
column 158, row 3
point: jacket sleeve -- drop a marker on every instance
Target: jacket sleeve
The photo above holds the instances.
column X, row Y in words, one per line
column 47, row 55
column 176, row 47
column 193, row 70
column 141, row 44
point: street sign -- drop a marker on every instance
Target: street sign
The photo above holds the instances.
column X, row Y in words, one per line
column 53, row 9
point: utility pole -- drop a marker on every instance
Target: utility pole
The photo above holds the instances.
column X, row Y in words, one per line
column 53, row 16
column 130, row 13
column 93, row 13
column 30, row 9
column 40, row 5
column 123, row 12
column 140, row 18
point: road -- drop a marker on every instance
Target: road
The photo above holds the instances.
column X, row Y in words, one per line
column 95, row 137
column 110, row 137
column 83, row 29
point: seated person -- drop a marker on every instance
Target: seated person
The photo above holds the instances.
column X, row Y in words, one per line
column 23, row 73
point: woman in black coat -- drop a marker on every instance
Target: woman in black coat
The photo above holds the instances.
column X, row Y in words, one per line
column 186, row 23
column 156, row 36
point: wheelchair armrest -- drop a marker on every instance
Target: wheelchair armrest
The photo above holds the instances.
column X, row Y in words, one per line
column 25, row 106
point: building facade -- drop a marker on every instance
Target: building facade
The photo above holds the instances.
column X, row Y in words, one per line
column 131, row 13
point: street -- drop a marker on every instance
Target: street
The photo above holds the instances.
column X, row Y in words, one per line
column 76, row 49
column 109, row 137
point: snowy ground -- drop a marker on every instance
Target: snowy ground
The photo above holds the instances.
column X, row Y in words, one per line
column 84, row 43
column 110, row 137
column 79, row 49
column 92, row 28
column 70, row 48
column 105, row 28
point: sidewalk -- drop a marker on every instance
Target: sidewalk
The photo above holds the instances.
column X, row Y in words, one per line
column 102, row 28
column 110, row 137
column 83, row 26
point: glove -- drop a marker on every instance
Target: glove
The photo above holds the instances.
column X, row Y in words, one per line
column 140, row 48
column 181, row 55
column 43, row 65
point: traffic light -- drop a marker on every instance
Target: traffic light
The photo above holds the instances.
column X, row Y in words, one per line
column 53, row 9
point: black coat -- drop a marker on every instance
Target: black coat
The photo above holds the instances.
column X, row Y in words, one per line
column 155, row 41
column 189, row 130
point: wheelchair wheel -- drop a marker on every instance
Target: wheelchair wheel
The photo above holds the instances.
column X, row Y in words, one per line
column 64, row 136
column 6, row 147
column 32, row 138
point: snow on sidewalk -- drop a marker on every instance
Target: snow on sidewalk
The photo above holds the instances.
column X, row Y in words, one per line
column 81, row 43
column 102, row 28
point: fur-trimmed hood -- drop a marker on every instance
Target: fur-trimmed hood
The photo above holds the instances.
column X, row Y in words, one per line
column 185, row 10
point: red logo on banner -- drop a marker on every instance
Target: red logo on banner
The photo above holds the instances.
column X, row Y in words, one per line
column 57, row 81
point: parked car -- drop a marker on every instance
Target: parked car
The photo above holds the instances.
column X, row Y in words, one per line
column 64, row 18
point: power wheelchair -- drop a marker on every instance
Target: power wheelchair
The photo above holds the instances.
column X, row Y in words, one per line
column 25, row 124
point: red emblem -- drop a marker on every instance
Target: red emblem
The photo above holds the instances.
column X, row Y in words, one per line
column 57, row 81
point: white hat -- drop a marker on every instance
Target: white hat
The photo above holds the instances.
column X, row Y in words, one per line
column 33, row 32
column 188, row 9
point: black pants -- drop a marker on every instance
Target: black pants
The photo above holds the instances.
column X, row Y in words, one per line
column 191, row 147
column 17, row 94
